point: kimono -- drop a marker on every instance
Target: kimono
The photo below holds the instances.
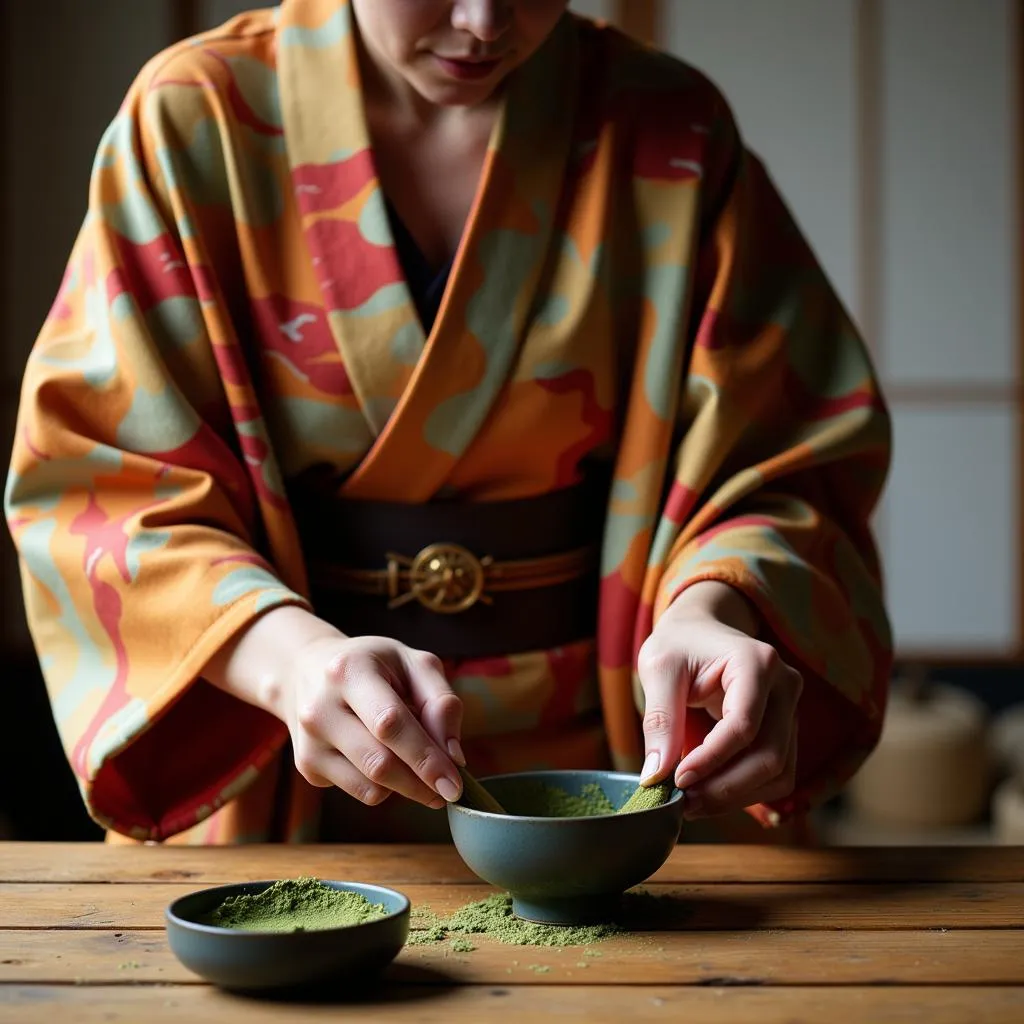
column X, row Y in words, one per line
column 629, row 287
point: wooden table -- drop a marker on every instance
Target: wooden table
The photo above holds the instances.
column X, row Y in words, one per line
column 754, row 934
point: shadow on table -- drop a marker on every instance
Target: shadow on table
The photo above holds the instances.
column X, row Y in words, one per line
column 647, row 911
column 401, row 984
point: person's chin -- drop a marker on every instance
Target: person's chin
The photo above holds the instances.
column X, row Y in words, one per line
column 458, row 94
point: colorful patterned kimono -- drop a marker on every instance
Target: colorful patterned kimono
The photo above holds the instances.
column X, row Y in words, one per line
column 234, row 317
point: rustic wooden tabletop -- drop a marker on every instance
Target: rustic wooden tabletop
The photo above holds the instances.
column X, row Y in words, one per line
column 752, row 934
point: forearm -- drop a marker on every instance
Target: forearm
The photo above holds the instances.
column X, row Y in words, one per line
column 254, row 665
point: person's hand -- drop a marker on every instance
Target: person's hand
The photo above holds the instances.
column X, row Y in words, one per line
column 703, row 654
column 372, row 716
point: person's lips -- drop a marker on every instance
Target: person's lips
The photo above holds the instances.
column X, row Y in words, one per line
column 467, row 70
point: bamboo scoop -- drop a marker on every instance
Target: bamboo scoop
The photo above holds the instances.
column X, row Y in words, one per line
column 476, row 797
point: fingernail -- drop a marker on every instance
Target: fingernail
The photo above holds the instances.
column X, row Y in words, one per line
column 437, row 804
column 650, row 765
column 448, row 789
column 456, row 754
column 686, row 779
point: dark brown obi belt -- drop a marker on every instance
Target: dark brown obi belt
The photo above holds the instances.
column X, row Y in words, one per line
column 460, row 579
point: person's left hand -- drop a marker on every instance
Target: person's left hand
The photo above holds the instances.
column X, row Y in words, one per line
column 703, row 654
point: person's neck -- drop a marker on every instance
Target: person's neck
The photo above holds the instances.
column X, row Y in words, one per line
column 389, row 94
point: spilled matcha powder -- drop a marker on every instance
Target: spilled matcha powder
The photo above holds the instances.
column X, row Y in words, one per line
column 493, row 917
column 295, row 904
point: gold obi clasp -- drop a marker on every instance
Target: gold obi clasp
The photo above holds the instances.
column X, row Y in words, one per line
column 444, row 578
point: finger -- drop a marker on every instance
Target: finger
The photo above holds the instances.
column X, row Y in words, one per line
column 391, row 722
column 328, row 767
column 379, row 764
column 664, row 678
column 778, row 789
column 765, row 763
column 437, row 706
column 747, row 684
column 782, row 786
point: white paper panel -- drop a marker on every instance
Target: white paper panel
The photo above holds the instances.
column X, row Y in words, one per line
column 950, row 529
column 594, row 8
column 788, row 69
column 949, row 226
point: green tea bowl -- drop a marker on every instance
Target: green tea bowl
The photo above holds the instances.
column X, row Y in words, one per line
column 566, row 871
column 248, row 960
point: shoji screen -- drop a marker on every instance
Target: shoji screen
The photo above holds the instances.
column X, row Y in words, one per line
column 891, row 127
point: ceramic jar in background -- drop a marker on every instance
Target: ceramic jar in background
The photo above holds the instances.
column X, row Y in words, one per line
column 931, row 768
column 1008, row 811
column 1006, row 742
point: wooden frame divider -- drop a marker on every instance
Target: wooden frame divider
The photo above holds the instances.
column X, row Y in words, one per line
column 639, row 18
column 870, row 254
column 185, row 18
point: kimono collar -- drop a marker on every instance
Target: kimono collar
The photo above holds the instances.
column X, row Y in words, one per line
column 424, row 398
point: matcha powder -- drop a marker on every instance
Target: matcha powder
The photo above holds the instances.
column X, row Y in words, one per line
column 493, row 917
column 300, row 904
column 543, row 801
column 538, row 799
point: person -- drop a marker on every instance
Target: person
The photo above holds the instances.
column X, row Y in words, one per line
column 434, row 383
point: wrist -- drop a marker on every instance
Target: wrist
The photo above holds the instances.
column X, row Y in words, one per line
column 715, row 601
column 257, row 663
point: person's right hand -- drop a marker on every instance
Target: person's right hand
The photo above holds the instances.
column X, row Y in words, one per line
column 372, row 716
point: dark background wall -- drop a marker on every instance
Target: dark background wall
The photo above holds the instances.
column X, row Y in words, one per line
column 65, row 67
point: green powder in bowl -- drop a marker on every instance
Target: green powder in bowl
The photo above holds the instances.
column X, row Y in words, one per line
column 537, row 799
column 295, row 904
column 533, row 798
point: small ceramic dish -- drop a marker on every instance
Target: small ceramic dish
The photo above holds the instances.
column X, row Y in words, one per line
column 566, row 870
column 249, row 960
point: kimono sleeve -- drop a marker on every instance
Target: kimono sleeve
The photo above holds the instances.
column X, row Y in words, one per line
column 134, row 498
column 784, row 447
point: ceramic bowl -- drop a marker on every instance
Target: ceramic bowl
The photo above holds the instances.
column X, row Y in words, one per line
column 242, row 960
column 566, row 870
